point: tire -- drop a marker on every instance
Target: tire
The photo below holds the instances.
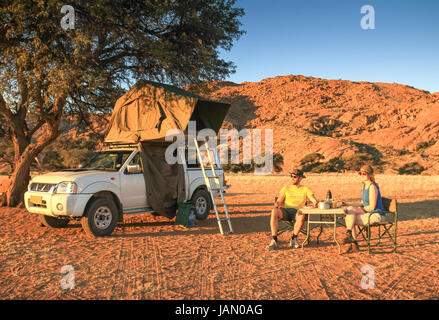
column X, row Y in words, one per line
column 53, row 222
column 202, row 203
column 100, row 218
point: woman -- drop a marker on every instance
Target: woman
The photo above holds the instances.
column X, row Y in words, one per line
column 372, row 207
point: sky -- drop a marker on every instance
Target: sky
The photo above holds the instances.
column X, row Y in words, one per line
column 325, row 39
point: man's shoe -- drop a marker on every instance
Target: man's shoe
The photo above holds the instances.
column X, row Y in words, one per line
column 294, row 244
column 273, row 245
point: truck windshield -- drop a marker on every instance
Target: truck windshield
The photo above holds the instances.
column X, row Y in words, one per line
column 107, row 160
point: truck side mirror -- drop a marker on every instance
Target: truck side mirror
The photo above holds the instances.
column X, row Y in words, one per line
column 133, row 168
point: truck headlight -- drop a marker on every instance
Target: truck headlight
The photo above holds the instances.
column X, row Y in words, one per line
column 66, row 187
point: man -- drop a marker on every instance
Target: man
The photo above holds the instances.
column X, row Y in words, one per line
column 292, row 198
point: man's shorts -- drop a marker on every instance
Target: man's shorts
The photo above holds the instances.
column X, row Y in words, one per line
column 374, row 217
column 288, row 214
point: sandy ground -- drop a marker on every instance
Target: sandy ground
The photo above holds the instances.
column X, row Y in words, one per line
column 150, row 258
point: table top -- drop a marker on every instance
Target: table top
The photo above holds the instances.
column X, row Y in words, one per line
column 310, row 210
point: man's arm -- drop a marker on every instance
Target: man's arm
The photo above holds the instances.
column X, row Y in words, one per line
column 280, row 200
column 313, row 200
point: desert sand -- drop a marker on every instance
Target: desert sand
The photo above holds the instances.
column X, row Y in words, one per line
column 149, row 257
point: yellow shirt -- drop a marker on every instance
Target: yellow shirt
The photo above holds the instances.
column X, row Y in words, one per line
column 295, row 197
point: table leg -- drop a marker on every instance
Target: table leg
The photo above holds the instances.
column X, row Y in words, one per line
column 321, row 229
column 307, row 230
column 335, row 234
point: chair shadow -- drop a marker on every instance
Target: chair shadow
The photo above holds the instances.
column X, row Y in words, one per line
column 418, row 210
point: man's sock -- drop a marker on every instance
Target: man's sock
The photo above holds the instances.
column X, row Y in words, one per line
column 275, row 238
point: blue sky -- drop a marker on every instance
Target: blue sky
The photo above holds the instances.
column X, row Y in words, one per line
column 324, row 39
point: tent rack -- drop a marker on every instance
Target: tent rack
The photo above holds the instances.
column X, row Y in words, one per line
column 119, row 145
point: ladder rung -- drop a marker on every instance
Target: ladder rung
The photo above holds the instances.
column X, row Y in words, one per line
column 216, row 189
column 212, row 177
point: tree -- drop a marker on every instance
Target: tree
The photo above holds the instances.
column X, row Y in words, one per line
column 47, row 73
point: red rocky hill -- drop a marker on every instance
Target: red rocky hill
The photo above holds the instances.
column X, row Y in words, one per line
column 337, row 118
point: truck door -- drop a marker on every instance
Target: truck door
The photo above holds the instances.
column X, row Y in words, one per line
column 133, row 189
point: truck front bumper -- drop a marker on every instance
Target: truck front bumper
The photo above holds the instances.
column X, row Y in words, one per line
column 56, row 205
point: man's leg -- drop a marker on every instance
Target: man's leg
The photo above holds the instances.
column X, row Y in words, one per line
column 300, row 219
column 276, row 215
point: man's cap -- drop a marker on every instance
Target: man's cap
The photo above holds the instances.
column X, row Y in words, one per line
column 367, row 169
column 297, row 172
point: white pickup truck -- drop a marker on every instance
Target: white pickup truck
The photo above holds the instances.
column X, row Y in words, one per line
column 101, row 192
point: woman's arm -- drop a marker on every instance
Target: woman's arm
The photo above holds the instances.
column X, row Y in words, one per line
column 373, row 196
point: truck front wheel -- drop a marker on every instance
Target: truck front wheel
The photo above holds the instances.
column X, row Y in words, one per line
column 202, row 203
column 100, row 218
column 53, row 222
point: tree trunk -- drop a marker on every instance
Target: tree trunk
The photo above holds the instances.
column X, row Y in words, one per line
column 19, row 181
column 20, row 175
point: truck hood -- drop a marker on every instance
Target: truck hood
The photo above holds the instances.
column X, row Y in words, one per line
column 81, row 177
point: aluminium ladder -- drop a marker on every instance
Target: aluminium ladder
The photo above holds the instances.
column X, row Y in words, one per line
column 218, row 187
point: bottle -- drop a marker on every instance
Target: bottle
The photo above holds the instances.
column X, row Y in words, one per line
column 191, row 220
column 329, row 195
column 328, row 199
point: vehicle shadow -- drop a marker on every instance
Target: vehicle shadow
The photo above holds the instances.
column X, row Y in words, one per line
column 240, row 225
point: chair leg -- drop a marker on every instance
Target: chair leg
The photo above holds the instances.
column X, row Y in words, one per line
column 368, row 238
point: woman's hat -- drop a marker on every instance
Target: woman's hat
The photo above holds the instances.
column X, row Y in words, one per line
column 297, row 172
column 366, row 169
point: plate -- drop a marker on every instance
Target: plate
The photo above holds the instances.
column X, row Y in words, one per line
column 36, row 199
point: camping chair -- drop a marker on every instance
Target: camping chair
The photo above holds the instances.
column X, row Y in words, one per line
column 289, row 226
column 390, row 205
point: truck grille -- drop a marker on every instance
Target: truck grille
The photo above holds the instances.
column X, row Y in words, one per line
column 41, row 187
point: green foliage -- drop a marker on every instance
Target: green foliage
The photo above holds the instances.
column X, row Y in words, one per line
column 411, row 168
column 357, row 160
column 424, row 145
column 6, row 152
column 67, row 153
column 311, row 158
column 278, row 161
column 47, row 72
column 333, row 165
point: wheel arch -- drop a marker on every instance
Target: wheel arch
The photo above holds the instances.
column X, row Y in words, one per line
column 110, row 196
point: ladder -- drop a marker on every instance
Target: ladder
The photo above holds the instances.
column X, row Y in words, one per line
column 212, row 187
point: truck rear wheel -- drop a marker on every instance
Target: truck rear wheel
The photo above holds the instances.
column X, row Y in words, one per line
column 100, row 218
column 202, row 203
column 53, row 222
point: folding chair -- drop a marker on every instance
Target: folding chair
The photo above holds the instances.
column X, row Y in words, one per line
column 289, row 226
column 389, row 225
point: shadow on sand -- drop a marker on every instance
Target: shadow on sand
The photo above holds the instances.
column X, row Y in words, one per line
column 261, row 222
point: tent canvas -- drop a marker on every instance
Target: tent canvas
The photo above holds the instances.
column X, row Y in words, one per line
column 143, row 115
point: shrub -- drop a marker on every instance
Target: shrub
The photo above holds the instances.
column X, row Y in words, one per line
column 311, row 158
column 357, row 160
column 411, row 168
column 333, row 165
column 424, row 145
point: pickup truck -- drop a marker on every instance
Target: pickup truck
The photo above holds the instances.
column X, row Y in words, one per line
column 110, row 186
